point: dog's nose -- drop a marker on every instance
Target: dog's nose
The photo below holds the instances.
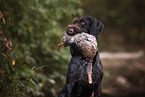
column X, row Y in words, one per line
column 70, row 31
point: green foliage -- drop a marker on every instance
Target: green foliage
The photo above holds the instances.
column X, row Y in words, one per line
column 35, row 28
column 10, row 85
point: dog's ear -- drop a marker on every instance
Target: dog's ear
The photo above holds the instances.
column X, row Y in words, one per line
column 96, row 27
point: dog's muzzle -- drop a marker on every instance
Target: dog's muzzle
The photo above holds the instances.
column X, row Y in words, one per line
column 73, row 29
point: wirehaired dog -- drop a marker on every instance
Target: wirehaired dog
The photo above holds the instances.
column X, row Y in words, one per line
column 77, row 81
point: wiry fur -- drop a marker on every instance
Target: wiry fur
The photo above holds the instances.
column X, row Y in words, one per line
column 77, row 84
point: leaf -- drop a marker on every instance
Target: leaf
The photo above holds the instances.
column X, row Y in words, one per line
column 31, row 80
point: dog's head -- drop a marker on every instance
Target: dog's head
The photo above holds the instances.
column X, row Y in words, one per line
column 85, row 24
column 81, row 24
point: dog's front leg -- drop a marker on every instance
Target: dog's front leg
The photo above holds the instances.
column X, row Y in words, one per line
column 98, row 90
column 69, row 90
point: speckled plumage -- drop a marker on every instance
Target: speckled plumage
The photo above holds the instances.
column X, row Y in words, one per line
column 86, row 42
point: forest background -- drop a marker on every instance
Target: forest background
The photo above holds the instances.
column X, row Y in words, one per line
column 30, row 30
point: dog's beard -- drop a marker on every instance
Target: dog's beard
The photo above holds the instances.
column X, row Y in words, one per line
column 74, row 29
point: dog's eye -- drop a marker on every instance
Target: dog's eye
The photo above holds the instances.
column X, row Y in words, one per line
column 82, row 22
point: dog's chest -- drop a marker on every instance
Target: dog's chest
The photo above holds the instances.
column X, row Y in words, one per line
column 78, row 71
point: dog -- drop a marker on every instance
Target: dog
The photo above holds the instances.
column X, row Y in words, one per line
column 77, row 84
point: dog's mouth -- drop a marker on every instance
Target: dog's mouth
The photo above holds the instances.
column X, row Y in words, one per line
column 74, row 29
column 70, row 32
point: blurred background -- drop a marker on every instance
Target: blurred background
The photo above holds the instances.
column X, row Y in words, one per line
column 30, row 30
